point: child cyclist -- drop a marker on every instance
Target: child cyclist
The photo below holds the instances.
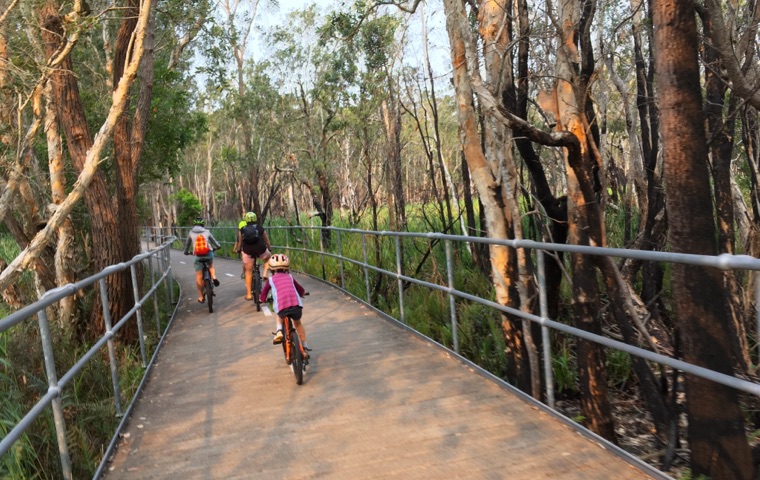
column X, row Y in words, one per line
column 287, row 296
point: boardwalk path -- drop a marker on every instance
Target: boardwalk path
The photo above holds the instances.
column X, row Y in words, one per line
column 377, row 402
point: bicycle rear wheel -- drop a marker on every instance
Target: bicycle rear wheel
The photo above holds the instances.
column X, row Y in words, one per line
column 208, row 287
column 297, row 356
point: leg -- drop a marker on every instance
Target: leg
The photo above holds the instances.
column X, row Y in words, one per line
column 278, row 333
column 301, row 331
column 247, row 274
column 199, row 284
column 248, row 268
column 212, row 271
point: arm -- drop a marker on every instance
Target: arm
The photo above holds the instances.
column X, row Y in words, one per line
column 301, row 291
column 214, row 242
column 238, row 242
column 188, row 244
column 264, row 292
column 266, row 240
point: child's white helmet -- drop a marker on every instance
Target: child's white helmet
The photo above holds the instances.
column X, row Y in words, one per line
column 279, row 261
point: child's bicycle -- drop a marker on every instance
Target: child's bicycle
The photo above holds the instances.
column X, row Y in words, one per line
column 295, row 354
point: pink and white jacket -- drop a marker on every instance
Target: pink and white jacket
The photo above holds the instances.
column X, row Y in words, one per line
column 286, row 291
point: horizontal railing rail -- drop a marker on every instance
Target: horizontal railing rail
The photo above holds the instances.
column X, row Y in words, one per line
column 159, row 271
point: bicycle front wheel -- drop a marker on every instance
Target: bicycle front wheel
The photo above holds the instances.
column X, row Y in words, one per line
column 257, row 287
column 208, row 287
column 297, row 356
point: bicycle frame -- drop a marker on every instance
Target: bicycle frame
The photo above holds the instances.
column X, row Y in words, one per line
column 257, row 284
column 292, row 347
column 208, row 284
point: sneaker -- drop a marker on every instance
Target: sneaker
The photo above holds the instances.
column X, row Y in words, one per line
column 277, row 337
column 216, row 282
column 242, row 276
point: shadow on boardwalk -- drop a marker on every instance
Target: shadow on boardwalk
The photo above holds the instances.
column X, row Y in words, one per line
column 377, row 402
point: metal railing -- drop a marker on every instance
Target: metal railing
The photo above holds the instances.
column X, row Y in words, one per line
column 157, row 268
column 311, row 241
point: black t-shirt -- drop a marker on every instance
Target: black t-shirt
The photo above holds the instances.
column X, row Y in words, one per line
column 257, row 248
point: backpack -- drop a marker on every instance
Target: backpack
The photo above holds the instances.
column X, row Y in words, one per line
column 201, row 246
column 250, row 234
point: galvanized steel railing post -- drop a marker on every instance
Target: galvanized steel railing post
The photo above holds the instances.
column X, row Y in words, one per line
column 306, row 244
column 169, row 277
column 452, row 299
column 366, row 270
column 138, row 313
column 545, row 334
column 340, row 261
column 155, row 294
column 60, row 425
column 111, row 348
column 402, row 317
column 322, row 251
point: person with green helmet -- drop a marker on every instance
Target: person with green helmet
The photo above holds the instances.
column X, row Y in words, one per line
column 253, row 242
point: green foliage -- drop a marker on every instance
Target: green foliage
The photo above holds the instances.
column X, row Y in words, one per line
column 619, row 369
column 173, row 125
column 189, row 207
column 564, row 369
column 9, row 249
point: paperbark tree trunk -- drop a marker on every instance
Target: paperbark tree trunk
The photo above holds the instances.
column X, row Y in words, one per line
column 106, row 247
column 64, row 253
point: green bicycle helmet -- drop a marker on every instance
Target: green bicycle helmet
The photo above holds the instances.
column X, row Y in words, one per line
column 199, row 221
column 250, row 217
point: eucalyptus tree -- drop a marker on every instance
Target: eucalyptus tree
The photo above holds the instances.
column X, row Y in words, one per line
column 234, row 32
column 83, row 79
column 217, row 169
column 59, row 37
column 717, row 437
column 567, row 107
column 320, row 79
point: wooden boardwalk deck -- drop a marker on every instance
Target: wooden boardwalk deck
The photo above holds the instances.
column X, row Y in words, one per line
column 377, row 402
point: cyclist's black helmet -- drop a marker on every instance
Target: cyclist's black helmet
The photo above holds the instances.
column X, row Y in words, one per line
column 199, row 221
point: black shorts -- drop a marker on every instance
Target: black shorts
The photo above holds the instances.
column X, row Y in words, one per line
column 292, row 312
